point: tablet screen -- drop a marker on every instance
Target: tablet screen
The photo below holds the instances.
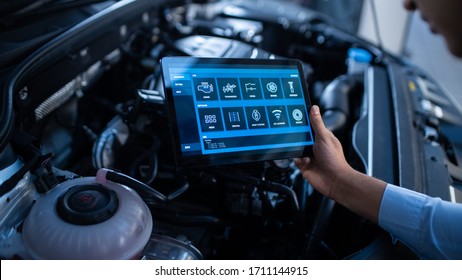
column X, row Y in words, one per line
column 236, row 110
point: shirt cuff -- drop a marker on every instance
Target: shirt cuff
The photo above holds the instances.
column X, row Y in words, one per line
column 400, row 214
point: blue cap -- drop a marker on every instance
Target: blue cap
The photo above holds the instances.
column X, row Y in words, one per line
column 360, row 55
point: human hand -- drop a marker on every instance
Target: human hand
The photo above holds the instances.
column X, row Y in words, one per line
column 328, row 167
column 330, row 174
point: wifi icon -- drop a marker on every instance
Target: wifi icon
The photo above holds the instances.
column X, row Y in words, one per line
column 277, row 114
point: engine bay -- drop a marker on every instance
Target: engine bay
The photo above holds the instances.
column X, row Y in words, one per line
column 91, row 100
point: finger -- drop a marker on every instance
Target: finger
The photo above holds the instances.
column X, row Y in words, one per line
column 301, row 162
column 317, row 123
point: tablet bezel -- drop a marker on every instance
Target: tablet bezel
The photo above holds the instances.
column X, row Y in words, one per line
column 191, row 161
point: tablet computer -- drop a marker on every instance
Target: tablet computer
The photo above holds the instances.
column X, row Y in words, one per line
column 227, row 111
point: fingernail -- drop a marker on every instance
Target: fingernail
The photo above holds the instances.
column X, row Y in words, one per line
column 315, row 110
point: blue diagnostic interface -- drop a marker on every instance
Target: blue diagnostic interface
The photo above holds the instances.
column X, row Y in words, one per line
column 236, row 110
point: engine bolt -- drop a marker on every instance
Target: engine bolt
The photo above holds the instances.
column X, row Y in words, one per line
column 24, row 93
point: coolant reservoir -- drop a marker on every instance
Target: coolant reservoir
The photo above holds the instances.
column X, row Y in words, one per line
column 358, row 60
column 87, row 218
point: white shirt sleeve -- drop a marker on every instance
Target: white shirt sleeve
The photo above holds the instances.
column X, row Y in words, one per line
column 430, row 226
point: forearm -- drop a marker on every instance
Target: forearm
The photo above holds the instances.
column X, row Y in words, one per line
column 428, row 225
column 360, row 193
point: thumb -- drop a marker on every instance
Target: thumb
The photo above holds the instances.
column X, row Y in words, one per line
column 316, row 121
